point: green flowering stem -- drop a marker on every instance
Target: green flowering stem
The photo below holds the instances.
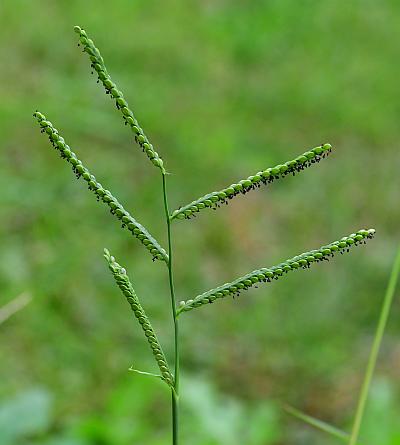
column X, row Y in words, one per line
column 318, row 424
column 123, row 282
column 211, row 200
column 215, row 199
column 102, row 194
column 267, row 274
column 380, row 330
column 111, row 88
column 175, row 391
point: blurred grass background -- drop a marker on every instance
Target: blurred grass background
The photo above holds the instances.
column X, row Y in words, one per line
column 223, row 89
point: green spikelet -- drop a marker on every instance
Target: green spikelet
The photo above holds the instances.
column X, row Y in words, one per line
column 98, row 65
column 102, row 194
column 215, row 199
column 122, row 280
column 267, row 274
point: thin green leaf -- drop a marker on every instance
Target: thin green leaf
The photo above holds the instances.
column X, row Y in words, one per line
column 137, row 230
column 14, row 306
column 318, row 424
column 215, row 199
column 149, row 374
column 267, row 274
column 123, row 282
column 97, row 63
column 380, row 330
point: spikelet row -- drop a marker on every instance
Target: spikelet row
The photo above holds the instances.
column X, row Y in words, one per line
column 267, row 274
column 215, row 199
column 97, row 63
column 123, row 282
column 102, row 194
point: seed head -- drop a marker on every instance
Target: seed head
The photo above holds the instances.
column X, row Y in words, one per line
column 123, row 282
column 215, row 199
column 273, row 273
column 101, row 193
column 97, row 63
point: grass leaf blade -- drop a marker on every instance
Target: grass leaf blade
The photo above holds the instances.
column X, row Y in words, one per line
column 383, row 317
column 14, row 306
column 318, row 424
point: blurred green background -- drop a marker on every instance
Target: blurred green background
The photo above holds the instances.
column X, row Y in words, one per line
column 223, row 89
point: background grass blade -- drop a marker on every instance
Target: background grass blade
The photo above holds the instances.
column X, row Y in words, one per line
column 318, row 424
column 384, row 315
column 14, row 306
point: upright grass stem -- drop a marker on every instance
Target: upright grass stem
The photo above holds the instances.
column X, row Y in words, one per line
column 384, row 315
column 175, row 390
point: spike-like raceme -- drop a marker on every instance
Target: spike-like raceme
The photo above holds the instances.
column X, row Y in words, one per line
column 123, row 282
column 215, row 199
column 102, row 194
column 98, row 65
column 267, row 274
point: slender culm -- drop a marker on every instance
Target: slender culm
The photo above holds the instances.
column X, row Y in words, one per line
column 123, row 282
column 102, row 194
column 175, row 392
column 214, row 200
column 373, row 356
column 273, row 273
column 97, row 63
column 171, row 376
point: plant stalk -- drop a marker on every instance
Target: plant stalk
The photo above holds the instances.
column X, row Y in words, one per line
column 175, row 390
column 387, row 302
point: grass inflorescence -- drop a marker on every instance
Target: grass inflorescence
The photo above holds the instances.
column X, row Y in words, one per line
column 123, row 282
column 102, row 194
column 216, row 199
column 97, row 63
column 273, row 273
column 211, row 200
